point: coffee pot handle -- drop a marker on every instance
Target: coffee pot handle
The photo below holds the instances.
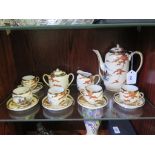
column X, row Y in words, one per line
column 45, row 79
column 71, row 74
column 141, row 59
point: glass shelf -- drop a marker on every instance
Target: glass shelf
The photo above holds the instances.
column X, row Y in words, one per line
column 76, row 26
column 111, row 112
column 31, row 24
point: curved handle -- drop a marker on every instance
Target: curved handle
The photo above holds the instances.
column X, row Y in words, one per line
column 98, row 76
column 141, row 59
column 81, row 92
column 101, row 76
column 71, row 74
column 67, row 91
column 37, row 79
column 45, row 80
column 141, row 95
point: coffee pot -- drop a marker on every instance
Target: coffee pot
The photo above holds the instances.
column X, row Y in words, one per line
column 114, row 70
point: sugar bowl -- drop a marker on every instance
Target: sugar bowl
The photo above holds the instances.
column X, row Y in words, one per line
column 58, row 78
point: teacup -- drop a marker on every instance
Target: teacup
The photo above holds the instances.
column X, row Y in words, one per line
column 130, row 94
column 30, row 81
column 92, row 93
column 22, row 95
column 56, row 95
column 84, row 79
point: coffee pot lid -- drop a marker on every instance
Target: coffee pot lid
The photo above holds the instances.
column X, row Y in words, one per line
column 117, row 49
column 58, row 72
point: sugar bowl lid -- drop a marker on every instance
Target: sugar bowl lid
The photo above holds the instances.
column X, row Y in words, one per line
column 117, row 49
column 58, row 72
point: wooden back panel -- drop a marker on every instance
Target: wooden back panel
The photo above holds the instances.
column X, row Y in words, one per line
column 42, row 51
column 146, row 81
column 7, row 66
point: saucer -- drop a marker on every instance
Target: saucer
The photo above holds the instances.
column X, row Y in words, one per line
column 35, row 89
column 81, row 101
column 62, row 115
column 133, row 105
column 24, row 116
column 15, row 107
column 38, row 87
column 63, row 105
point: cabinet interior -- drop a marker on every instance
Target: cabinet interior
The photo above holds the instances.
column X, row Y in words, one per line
column 36, row 52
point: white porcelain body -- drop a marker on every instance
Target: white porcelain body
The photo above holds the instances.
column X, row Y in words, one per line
column 92, row 127
column 83, row 81
column 56, row 95
column 59, row 81
column 129, row 94
column 115, row 68
column 30, row 81
column 92, row 93
column 22, row 94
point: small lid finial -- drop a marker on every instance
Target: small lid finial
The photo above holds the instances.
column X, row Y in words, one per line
column 117, row 45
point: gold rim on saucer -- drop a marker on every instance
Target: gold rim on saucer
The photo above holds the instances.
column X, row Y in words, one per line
column 133, row 105
column 16, row 107
column 63, row 105
column 38, row 87
column 82, row 102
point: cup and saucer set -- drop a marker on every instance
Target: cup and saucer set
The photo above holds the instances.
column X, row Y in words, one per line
column 58, row 96
column 91, row 94
column 31, row 82
column 23, row 97
column 129, row 97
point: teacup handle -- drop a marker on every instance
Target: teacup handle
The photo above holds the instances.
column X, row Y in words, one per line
column 45, row 79
column 81, row 92
column 141, row 95
column 71, row 74
column 37, row 79
column 67, row 91
column 141, row 59
column 98, row 76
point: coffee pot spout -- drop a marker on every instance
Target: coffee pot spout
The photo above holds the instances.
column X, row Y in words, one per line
column 101, row 63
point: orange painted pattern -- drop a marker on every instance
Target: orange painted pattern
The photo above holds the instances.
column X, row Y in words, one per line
column 116, row 81
column 131, row 95
column 122, row 59
column 87, row 81
column 119, row 71
column 90, row 94
column 57, row 85
column 54, row 80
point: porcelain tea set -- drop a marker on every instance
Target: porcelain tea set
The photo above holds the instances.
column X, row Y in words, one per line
column 23, row 97
column 113, row 73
